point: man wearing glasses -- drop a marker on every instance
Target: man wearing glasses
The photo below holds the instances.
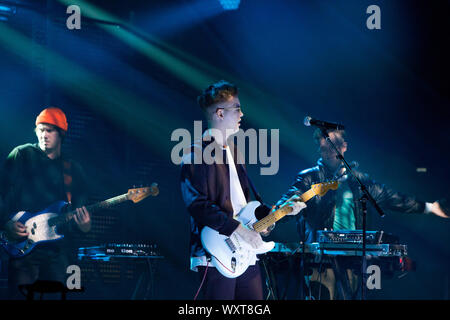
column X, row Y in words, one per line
column 214, row 192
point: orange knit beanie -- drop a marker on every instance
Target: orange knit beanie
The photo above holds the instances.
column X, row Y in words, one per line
column 54, row 116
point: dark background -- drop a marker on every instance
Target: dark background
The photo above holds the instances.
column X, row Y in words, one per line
column 126, row 88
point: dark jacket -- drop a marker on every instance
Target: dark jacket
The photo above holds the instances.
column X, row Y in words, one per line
column 31, row 181
column 319, row 213
column 206, row 192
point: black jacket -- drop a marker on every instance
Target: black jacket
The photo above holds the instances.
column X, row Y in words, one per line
column 206, row 192
column 319, row 213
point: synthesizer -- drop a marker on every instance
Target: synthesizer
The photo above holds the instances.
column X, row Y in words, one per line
column 120, row 250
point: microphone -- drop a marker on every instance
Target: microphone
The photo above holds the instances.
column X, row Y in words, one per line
column 308, row 121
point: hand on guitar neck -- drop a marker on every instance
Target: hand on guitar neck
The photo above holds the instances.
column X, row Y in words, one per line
column 253, row 238
column 295, row 203
column 83, row 219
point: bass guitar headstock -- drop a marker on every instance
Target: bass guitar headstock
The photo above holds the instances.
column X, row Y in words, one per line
column 139, row 194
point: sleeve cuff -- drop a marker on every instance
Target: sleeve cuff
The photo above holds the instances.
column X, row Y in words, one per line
column 428, row 207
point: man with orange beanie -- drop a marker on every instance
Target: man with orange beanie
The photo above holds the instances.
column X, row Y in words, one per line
column 35, row 176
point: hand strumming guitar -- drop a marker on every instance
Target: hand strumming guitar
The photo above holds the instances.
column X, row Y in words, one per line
column 15, row 230
column 251, row 237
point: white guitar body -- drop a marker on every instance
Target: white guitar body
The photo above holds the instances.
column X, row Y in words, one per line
column 232, row 255
column 42, row 230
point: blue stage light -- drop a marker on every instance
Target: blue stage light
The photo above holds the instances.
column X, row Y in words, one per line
column 7, row 10
column 230, row 4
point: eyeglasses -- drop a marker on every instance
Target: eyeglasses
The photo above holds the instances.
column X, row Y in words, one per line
column 232, row 108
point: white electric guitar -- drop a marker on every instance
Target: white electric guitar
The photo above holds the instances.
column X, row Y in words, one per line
column 232, row 255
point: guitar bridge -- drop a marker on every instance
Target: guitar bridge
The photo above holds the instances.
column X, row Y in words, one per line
column 28, row 244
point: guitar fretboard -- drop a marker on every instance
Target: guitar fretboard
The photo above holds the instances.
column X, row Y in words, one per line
column 91, row 208
column 270, row 219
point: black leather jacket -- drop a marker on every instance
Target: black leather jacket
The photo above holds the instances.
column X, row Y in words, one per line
column 319, row 213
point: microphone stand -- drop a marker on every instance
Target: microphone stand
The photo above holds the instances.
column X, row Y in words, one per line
column 363, row 200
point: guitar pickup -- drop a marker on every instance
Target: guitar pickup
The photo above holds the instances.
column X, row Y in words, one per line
column 231, row 245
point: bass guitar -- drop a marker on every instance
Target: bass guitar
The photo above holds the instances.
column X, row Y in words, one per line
column 232, row 255
column 43, row 226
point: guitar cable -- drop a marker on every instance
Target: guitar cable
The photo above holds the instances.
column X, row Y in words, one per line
column 203, row 280
column 204, row 276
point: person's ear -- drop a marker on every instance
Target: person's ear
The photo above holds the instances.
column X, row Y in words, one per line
column 219, row 113
column 344, row 146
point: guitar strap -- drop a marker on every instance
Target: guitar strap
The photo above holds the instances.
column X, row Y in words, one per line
column 67, row 174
